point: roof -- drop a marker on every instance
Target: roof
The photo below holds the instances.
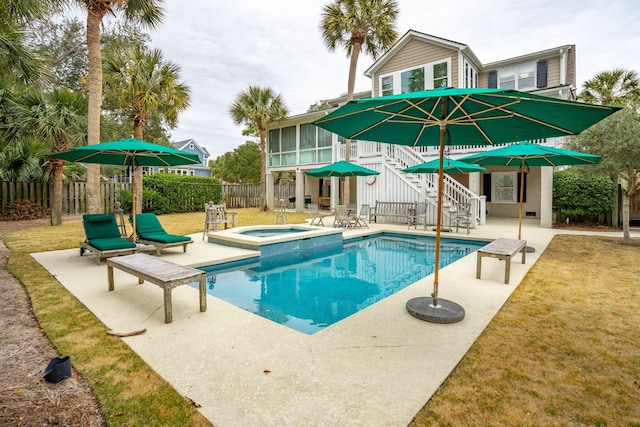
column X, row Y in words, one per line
column 181, row 144
column 412, row 34
column 547, row 53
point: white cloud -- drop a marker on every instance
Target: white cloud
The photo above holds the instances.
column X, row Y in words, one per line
column 223, row 47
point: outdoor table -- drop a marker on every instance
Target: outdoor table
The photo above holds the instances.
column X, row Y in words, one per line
column 165, row 274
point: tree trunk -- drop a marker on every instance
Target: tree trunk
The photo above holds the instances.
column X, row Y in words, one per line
column 263, row 171
column 353, row 65
column 94, row 19
column 56, row 200
column 626, row 198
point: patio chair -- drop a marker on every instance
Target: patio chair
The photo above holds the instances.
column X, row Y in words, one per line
column 418, row 216
column 461, row 216
column 151, row 232
column 216, row 215
column 103, row 237
column 361, row 219
column 316, row 217
column 344, row 218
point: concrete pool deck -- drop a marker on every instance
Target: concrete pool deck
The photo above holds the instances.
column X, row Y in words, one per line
column 378, row 367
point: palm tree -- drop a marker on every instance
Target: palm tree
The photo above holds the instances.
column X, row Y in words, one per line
column 143, row 83
column 615, row 87
column 145, row 12
column 16, row 58
column 256, row 107
column 58, row 119
column 357, row 25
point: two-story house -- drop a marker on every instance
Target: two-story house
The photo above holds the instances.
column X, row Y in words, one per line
column 190, row 146
column 416, row 62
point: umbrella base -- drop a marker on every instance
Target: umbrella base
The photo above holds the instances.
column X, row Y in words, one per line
column 530, row 249
column 446, row 311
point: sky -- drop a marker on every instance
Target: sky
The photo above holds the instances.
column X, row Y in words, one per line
column 223, row 47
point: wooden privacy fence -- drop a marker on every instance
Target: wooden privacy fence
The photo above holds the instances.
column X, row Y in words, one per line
column 74, row 195
column 248, row 195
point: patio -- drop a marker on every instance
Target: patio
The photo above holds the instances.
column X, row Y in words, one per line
column 379, row 364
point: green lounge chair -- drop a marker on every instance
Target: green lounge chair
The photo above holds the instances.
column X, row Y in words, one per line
column 103, row 237
column 150, row 232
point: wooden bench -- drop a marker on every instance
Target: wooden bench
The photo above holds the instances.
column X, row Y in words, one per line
column 398, row 210
column 165, row 274
column 504, row 250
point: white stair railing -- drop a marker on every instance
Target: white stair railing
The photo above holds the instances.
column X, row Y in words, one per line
column 401, row 157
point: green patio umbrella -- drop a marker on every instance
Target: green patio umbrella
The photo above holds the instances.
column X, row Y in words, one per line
column 449, row 166
column 525, row 154
column 341, row 169
column 128, row 152
column 460, row 116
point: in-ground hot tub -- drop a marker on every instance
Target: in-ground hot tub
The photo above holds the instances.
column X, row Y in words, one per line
column 279, row 240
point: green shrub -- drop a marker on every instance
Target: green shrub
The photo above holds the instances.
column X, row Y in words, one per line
column 169, row 193
column 582, row 197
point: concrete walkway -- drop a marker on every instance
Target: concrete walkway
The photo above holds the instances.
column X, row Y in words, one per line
column 376, row 368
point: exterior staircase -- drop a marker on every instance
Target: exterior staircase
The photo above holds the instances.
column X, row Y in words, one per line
column 461, row 207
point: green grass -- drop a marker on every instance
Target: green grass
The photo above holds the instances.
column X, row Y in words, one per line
column 129, row 391
column 564, row 349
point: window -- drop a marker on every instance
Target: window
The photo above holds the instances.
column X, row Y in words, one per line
column 288, row 139
column 526, row 79
column 504, row 188
column 423, row 77
column 522, row 77
column 191, row 146
column 508, row 79
column 440, row 75
column 307, row 136
column 470, row 75
column 412, row 80
column 387, row 85
column 274, row 141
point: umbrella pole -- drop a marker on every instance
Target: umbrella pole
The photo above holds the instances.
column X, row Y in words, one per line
column 439, row 218
column 133, row 200
column 432, row 309
column 521, row 197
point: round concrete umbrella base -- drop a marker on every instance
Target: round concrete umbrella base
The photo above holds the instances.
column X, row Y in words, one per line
column 530, row 249
column 445, row 312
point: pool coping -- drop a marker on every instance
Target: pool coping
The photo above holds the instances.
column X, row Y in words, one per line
column 378, row 367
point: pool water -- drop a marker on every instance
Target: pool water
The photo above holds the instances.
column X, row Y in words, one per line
column 308, row 292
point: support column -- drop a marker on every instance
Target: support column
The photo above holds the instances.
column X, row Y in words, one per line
column 546, row 196
column 300, row 186
column 270, row 190
column 474, row 182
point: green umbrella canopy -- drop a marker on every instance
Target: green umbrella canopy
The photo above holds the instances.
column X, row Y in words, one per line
column 449, row 166
column 531, row 155
column 471, row 116
column 127, row 152
column 525, row 154
column 461, row 116
column 341, row 168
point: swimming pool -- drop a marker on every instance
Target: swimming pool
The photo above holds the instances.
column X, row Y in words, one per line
column 309, row 291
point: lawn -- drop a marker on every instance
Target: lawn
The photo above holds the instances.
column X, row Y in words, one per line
column 564, row 350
